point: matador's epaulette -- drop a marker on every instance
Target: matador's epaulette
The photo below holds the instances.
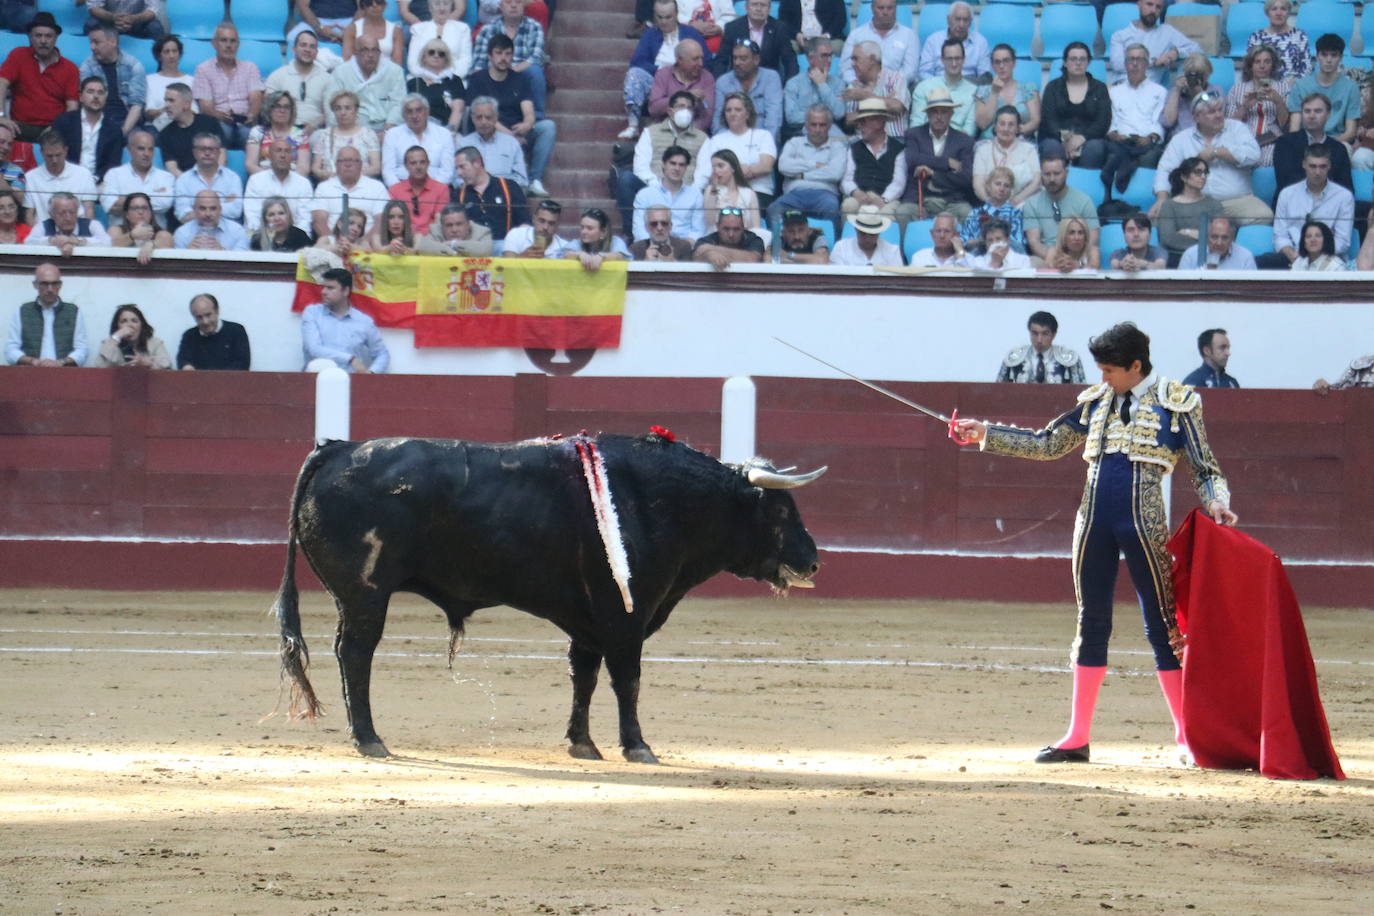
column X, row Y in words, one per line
column 1178, row 396
column 1088, row 396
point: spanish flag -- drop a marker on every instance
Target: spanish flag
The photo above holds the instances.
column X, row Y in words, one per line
column 487, row 302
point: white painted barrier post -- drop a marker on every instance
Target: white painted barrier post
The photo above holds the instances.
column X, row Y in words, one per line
column 332, row 403
column 737, row 407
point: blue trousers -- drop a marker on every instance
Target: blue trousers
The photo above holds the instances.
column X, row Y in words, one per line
column 1122, row 515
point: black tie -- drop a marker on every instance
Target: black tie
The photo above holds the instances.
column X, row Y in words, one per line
column 1040, row 369
column 1126, row 409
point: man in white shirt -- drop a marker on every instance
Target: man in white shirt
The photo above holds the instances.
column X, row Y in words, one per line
column 1228, row 146
column 901, row 47
column 66, row 229
column 502, row 153
column 366, row 194
column 948, row 248
column 1221, row 251
column 138, row 174
column 1136, row 135
column 959, row 22
column 280, row 180
column 540, row 240
column 1317, row 199
column 418, row 130
column 57, row 174
column 1166, row 45
column 866, row 248
column 305, row 78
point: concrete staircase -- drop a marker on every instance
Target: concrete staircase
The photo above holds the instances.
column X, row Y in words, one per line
column 590, row 54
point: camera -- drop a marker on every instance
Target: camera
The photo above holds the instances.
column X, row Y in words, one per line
column 1194, row 79
column 664, row 248
column 126, row 348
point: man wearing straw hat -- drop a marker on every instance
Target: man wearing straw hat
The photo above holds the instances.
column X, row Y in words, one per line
column 865, row 247
column 875, row 174
column 939, row 162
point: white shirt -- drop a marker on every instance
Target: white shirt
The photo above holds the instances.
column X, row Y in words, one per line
column 456, row 35
column 48, row 348
column 749, row 146
column 1158, row 41
column 122, row 180
column 436, row 140
column 300, row 197
column 90, row 135
column 522, row 237
column 40, row 185
column 98, row 238
column 368, row 195
column 927, row 257
column 901, row 50
column 847, row 253
column 1137, row 110
column 1334, row 206
column 1012, row 260
column 1226, row 181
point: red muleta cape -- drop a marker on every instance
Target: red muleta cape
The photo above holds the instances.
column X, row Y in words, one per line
column 1249, row 686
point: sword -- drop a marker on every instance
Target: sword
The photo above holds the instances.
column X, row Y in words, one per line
column 949, row 421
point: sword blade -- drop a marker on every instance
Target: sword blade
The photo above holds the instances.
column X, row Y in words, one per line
column 867, row 384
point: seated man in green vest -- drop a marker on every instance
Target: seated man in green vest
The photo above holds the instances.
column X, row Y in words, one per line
column 47, row 331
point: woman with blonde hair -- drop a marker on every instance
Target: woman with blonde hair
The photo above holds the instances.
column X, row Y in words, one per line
column 1073, row 249
column 1295, row 55
column 1194, row 79
column 1259, row 100
column 278, row 123
column 446, row 24
column 595, row 243
column 326, row 142
column 393, row 233
column 131, row 342
column 997, row 205
column 276, row 231
column 439, row 83
column 348, row 235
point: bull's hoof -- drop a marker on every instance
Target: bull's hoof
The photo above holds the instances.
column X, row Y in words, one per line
column 640, row 755
column 584, row 750
column 373, row 749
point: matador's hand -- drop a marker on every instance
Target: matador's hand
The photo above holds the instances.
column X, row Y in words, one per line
column 1221, row 513
column 971, row 430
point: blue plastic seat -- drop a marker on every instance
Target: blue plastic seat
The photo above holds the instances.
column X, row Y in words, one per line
column 1242, row 21
column 1029, row 71
column 1256, row 239
column 234, row 162
column 1223, row 72
column 262, row 20
column 1111, row 238
column 1364, row 183
column 1115, row 18
column 74, row 46
column 1317, row 17
column 195, row 53
column 1266, row 186
column 1140, row 192
column 917, row 237
column 197, row 20
column 1003, row 23
column 934, row 17
column 1089, row 181
column 1063, row 23
column 71, row 17
column 266, row 54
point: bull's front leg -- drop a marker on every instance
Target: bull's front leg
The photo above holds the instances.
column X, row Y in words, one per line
column 583, row 666
column 623, row 665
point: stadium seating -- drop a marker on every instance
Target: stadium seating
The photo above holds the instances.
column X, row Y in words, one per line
column 198, row 20
column 1242, row 20
column 1065, row 23
column 195, row 54
column 261, row 21
column 1223, row 72
column 1089, row 181
column 1266, row 187
column 1317, row 17
column 70, row 16
column 1029, row 71
column 1257, row 240
column 917, row 237
column 826, row 226
column 1115, row 18
column 266, row 54
column 1140, row 192
column 234, row 162
column 1364, row 184
column 1111, row 238
column 74, row 46
column 891, row 234
column 1004, row 23
column 934, row 17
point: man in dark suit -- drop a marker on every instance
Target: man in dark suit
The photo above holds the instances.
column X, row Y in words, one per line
column 109, row 136
column 942, row 158
column 773, row 38
column 1290, row 148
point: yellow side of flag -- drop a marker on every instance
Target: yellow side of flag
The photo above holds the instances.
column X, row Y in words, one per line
column 517, row 286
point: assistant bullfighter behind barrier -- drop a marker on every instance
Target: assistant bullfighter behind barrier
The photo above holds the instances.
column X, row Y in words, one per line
column 602, row 536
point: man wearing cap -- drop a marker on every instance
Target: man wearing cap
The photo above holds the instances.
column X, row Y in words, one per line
column 812, row 167
column 800, row 242
column 947, row 248
column 38, row 81
column 872, row 80
column 939, row 161
column 865, row 247
column 763, row 86
column 875, row 173
column 730, row 243
column 951, row 80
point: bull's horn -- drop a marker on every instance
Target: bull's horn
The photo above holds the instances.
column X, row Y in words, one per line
column 776, row 480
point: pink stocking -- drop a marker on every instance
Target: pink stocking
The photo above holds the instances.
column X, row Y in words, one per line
column 1086, row 682
column 1171, row 682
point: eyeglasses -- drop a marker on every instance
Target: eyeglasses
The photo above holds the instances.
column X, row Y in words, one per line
column 203, row 148
column 654, row 223
column 1201, row 170
column 415, row 204
column 48, row 282
column 731, row 211
column 302, row 90
column 1054, row 208
column 437, row 52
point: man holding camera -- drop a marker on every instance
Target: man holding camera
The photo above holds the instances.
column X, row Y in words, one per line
column 661, row 244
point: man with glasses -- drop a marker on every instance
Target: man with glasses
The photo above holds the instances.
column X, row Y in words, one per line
column 959, row 26
column 65, row 229
column 425, row 195
column 812, row 167
column 1229, row 148
column 138, row 174
column 1053, row 203
column 761, row 85
column 176, row 138
column 542, row 239
column 772, row 38
column 1220, row 252
column 1136, row 135
column 46, row 331
column 731, row 243
column 670, row 190
column 901, row 49
column 952, row 81
column 661, row 244
column 815, row 86
column 278, row 180
column 209, row 174
column 228, row 89
column 304, row 78
column 1164, row 44
column 418, row 130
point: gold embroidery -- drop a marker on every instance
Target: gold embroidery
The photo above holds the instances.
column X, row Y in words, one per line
column 1152, row 529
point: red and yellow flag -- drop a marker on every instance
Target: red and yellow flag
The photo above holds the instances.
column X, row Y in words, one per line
column 486, row 302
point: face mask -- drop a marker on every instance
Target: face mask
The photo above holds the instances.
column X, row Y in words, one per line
column 682, row 118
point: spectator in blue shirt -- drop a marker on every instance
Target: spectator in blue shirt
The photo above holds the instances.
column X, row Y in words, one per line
column 761, row 85
column 210, row 231
column 1215, row 348
column 336, row 331
column 208, row 175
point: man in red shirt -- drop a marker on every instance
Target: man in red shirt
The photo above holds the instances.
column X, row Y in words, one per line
column 44, row 83
column 425, row 195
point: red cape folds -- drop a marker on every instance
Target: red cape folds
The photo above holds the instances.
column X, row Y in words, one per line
column 1249, row 686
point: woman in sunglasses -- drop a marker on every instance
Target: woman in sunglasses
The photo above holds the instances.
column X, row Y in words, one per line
column 445, row 23
column 595, row 243
column 441, row 86
column 393, row 233
column 1182, row 216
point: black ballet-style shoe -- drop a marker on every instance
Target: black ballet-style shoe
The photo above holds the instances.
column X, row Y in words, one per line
column 1052, row 754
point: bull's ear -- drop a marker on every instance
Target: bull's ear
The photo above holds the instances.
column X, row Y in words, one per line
column 776, row 480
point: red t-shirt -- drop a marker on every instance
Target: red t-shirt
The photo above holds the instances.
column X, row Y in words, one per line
column 37, row 96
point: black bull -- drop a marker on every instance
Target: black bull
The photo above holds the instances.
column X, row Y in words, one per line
column 471, row 525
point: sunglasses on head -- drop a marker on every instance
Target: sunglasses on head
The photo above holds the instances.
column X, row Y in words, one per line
column 731, row 211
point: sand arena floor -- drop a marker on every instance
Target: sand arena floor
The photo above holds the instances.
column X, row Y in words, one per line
column 818, row 757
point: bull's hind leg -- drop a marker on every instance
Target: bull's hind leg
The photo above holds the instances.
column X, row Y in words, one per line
column 623, row 666
column 361, row 620
column 583, row 666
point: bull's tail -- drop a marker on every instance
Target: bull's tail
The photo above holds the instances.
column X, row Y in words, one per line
column 295, row 657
